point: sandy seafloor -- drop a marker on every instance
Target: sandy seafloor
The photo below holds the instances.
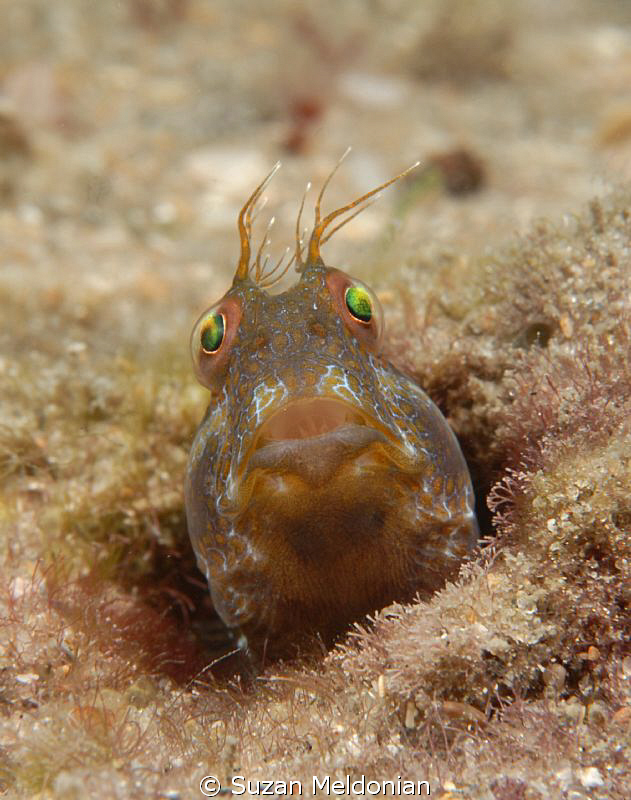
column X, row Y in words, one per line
column 131, row 133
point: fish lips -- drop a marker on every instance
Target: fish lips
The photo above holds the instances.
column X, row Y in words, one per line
column 313, row 438
column 317, row 458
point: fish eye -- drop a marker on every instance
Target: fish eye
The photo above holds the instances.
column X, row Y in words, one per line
column 211, row 341
column 358, row 307
column 212, row 332
column 359, row 303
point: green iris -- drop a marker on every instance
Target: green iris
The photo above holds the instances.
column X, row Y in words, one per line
column 213, row 332
column 358, row 303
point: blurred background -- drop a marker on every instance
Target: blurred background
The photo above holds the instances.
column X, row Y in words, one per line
column 131, row 132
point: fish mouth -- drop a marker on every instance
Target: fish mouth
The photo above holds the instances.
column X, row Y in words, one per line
column 309, row 418
column 312, row 437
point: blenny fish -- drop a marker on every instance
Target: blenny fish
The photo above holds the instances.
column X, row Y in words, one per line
column 322, row 484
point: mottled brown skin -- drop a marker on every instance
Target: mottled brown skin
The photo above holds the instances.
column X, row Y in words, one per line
column 322, row 484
